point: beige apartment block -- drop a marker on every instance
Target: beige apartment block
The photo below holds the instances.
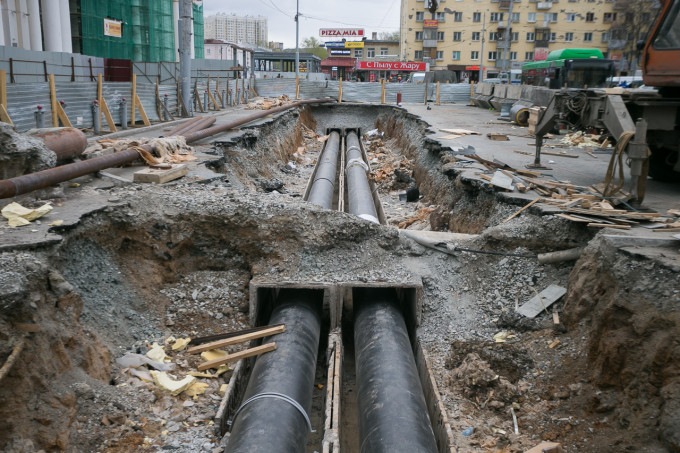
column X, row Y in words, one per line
column 512, row 32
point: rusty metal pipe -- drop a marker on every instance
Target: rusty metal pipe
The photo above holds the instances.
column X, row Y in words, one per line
column 177, row 130
column 66, row 142
column 204, row 123
column 196, row 136
column 40, row 180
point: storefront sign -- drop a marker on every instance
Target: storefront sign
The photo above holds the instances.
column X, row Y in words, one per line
column 341, row 32
column 113, row 28
column 338, row 44
column 341, row 52
column 541, row 53
column 392, row 65
column 303, row 66
column 354, row 45
column 430, row 23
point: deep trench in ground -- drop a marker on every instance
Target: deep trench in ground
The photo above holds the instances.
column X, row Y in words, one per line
column 180, row 260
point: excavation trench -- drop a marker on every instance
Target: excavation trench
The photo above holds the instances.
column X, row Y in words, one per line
column 196, row 259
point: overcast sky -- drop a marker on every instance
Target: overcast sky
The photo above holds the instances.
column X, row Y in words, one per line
column 371, row 15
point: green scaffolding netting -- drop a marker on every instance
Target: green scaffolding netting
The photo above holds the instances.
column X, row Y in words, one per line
column 147, row 29
column 198, row 31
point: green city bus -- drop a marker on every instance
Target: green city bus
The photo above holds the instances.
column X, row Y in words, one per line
column 571, row 68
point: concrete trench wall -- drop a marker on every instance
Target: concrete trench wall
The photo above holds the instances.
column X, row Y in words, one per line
column 493, row 95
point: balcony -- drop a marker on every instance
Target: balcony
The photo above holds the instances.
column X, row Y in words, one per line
column 544, row 5
column 500, row 44
column 428, row 43
column 504, row 4
column 502, row 25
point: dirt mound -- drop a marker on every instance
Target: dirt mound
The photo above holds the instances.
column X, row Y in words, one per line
column 633, row 318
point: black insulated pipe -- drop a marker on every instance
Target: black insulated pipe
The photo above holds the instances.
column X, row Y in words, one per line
column 270, row 422
column 323, row 187
column 392, row 410
column 360, row 198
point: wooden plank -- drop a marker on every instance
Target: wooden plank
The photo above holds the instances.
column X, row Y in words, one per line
column 521, row 210
column 238, row 339
column 107, row 114
column 497, row 137
column 53, row 102
column 4, row 116
column 160, row 175
column 573, row 218
column 237, row 356
column 142, row 113
column 172, row 117
column 133, row 119
column 667, row 230
column 198, row 98
column 210, row 96
column 607, row 225
column 542, row 301
column 62, row 116
column 222, row 336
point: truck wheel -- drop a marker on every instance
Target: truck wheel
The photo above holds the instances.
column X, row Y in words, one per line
column 661, row 164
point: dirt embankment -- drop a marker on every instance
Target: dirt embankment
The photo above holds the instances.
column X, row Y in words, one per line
column 38, row 404
column 630, row 306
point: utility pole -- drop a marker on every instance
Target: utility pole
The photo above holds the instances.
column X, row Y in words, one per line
column 297, row 39
column 506, row 39
column 481, row 54
column 185, row 52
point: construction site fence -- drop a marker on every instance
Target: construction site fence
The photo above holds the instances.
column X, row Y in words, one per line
column 371, row 92
column 25, row 66
column 77, row 99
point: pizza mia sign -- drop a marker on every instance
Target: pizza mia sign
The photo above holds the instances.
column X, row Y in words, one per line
column 341, row 32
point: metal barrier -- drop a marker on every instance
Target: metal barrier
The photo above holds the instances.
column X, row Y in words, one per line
column 364, row 91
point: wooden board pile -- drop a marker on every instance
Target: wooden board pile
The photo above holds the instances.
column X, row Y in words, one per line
column 578, row 203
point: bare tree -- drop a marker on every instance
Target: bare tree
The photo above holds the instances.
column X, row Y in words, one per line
column 389, row 36
column 630, row 23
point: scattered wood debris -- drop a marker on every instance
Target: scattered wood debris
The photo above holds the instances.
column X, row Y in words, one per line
column 583, row 140
column 268, row 103
column 497, row 136
column 420, row 216
column 456, row 133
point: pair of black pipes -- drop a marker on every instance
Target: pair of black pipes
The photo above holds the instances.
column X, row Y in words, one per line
column 392, row 410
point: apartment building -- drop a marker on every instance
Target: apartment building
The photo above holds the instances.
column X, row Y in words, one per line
column 238, row 29
column 500, row 35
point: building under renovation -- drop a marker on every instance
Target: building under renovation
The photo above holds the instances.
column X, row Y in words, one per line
column 134, row 30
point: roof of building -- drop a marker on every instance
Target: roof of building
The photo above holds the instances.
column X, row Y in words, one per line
column 276, row 56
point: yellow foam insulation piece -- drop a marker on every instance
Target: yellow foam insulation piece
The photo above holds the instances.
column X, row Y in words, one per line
column 180, row 344
column 18, row 215
column 213, row 354
column 222, row 369
column 196, row 389
column 202, row 374
column 157, row 353
column 169, row 385
column 223, row 389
